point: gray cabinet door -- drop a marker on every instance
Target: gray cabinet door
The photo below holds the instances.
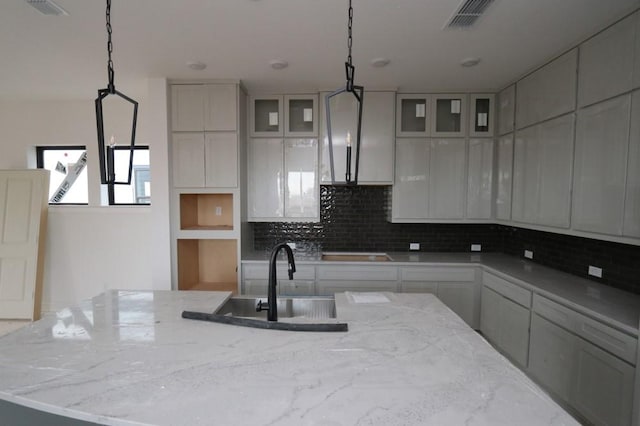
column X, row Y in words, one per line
column 514, row 331
column 490, row 314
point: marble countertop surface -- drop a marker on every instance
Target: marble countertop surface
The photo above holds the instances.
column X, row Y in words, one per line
column 615, row 307
column 129, row 358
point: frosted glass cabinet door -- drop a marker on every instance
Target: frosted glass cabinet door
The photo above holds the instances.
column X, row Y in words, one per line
column 447, row 182
column 410, row 189
column 301, row 179
column 413, row 115
column 188, row 161
column 506, row 110
column 481, row 116
column 547, row 92
column 265, row 116
column 602, row 137
column 221, row 159
column 480, row 179
column 505, row 177
column 301, row 115
column 265, row 175
column 449, row 115
column 606, row 63
column 632, row 200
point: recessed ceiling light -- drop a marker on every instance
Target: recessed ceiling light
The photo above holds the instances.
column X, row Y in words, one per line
column 278, row 64
column 380, row 62
column 196, row 65
column 470, row 62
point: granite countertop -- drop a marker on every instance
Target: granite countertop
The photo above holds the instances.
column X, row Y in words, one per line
column 129, row 358
column 615, row 307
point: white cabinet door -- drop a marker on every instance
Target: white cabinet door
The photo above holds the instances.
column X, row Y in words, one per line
column 490, row 314
column 410, row 189
column 23, row 217
column 480, row 179
column 542, row 173
column 504, row 177
column 419, row 287
column 187, row 107
column 447, row 179
column 547, row 92
column 602, row 137
column 220, row 107
column 188, row 161
column 514, row 331
column 632, row 194
column 221, row 159
column 603, row 386
column 606, row 63
column 461, row 299
column 636, row 71
column 377, row 145
column 507, row 110
column 301, row 190
column 265, row 176
column 551, row 356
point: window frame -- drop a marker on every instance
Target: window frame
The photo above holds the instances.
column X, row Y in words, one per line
column 110, row 186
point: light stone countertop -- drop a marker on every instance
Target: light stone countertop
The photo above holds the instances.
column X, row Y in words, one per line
column 129, row 358
column 610, row 305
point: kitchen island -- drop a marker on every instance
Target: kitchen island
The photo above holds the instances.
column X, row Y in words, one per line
column 129, row 358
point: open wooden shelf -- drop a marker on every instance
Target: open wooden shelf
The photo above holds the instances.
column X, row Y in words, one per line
column 206, row 212
column 207, row 264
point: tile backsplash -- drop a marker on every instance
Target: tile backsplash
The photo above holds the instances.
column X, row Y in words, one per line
column 355, row 219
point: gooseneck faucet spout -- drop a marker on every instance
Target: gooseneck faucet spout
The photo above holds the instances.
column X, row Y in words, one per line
column 272, row 307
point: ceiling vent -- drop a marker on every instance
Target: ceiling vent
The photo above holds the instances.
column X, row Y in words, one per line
column 468, row 13
column 47, row 7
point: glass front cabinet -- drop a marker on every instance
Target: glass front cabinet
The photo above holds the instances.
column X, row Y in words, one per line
column 413, row 115
column 448, row 115
column 481, row 118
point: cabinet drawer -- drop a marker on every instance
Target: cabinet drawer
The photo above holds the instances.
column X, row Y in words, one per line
column 507, row 289
column 438, row 274
column 608, row 338
column 261, row 271
column 358, row 273
column 329, row 288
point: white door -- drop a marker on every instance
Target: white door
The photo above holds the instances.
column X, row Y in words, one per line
column 23, row 211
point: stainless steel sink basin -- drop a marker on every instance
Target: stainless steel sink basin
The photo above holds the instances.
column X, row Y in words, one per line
column 307, row 307
column 356, row 257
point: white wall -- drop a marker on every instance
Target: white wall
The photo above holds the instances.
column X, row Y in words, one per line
column 93, row 248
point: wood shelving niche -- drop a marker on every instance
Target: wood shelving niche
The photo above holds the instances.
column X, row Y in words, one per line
column 206, row 212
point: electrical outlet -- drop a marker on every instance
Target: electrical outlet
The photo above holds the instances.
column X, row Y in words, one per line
column 476, row 247
column 528, row 254
column 414, row 246
column 594, row 271
column 218, row 211
column 292, row 245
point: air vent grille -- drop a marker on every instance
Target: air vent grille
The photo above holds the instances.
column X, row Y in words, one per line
column 468, row 13
column 47, row 7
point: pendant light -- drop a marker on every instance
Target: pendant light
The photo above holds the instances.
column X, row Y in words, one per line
column 358, row 93
column 115, row 131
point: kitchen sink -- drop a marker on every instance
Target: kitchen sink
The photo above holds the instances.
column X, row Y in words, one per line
column 356, row 257
column 307, row 307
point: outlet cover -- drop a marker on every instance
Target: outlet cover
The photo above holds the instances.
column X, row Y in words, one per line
column 594, row 271
column 528, row 254
column 476, row 247
column 414, row 246
column 218, row 211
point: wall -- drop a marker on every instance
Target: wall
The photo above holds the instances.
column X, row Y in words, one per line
column 354, row 219
column 92, row 248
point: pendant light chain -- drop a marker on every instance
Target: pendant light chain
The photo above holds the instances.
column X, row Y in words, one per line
column 350, row 38
column 110, row 70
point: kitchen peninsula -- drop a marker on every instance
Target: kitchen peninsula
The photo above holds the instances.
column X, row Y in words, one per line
column 128, row 358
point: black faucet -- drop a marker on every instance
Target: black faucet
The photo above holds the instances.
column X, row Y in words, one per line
column 271, row 305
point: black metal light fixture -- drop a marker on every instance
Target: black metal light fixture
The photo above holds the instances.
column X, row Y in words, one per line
column 106, row 151
column 358, row 93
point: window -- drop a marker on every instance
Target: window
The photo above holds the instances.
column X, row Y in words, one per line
column 68, row 182
column 139, row 192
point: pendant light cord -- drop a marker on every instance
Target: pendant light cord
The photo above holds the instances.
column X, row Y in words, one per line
column 110, row 71
column 349, row 68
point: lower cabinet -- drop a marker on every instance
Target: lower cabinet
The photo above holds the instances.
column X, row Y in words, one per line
column 338, row 278
column 255, row 280
column 503, row 321
column 596, row 383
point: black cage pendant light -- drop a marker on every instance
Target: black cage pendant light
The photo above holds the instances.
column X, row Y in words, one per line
column 358, row 95
column 107, row 114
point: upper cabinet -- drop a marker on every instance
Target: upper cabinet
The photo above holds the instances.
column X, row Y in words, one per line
column 480, row 179
column 504, row 177
column 602, row 136
column 481, row 117
column 288, row 115
column 413, row 115
column 507, row 110
column 449, row 115
column 547, row 92
column 378, row 130
column 606, row 63
column 632, row 200
column 203, row 107
column 636, row 55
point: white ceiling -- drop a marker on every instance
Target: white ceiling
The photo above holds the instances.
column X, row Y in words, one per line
column 48, row 57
